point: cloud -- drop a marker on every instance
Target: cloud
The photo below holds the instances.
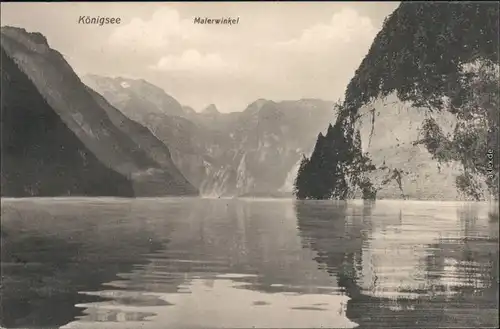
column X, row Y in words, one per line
column 345, row 27
column 192, row 60
column 164, row 26
column 315, row 60
column 319, row 61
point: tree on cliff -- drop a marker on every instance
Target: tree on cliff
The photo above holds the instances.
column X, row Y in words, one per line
column 313, row 179
column 474, row 142
column 333, row 165
column 301, row 184
column 422, row 53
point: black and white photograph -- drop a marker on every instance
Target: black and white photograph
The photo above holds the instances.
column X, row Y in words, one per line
column 249, row 164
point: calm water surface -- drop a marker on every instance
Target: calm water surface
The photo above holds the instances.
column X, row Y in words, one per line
column 200, row 263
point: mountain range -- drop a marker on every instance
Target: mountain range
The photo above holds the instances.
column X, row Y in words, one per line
column 419, row 121
column 95, row 135
column 253, row 152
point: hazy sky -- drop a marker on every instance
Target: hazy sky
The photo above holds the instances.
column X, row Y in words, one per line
column 279, row 50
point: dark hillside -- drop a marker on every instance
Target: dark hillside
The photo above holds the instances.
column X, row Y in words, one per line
column 41, row 156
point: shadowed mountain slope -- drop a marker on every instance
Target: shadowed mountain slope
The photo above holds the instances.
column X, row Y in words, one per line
column 117, row 142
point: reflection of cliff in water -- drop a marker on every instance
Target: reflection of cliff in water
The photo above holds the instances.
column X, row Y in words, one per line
column 398, row 277
column 257, row 239
column 464, row 267
column 51, row 253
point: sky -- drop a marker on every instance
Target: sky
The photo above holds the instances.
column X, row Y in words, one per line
column 278, row 51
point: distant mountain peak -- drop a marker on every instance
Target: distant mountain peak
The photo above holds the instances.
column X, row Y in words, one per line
column 139, row 94
column 255, row 106
column 211, row 109
column 259, row 102
column 124, row 82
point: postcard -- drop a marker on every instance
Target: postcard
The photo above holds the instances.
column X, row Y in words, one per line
column 286, row 164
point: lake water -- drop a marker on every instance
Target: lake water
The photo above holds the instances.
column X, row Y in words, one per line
column 202, row 263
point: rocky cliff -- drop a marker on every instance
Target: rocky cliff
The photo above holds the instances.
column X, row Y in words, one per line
column 116, row 142
column 420, row 115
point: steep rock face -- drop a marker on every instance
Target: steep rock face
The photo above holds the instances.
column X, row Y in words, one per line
column 389, row 129
column 268, row 140
column 420, row 116
column 239, row 153
column 41, row 156
column 93, row 120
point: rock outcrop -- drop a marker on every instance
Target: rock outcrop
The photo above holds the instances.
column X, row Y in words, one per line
column 420, row 115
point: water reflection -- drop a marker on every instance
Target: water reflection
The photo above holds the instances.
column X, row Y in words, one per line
column 215, row 263
column 194, row 263
column 405, row 266
column 52, row 252
column 233, row 264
